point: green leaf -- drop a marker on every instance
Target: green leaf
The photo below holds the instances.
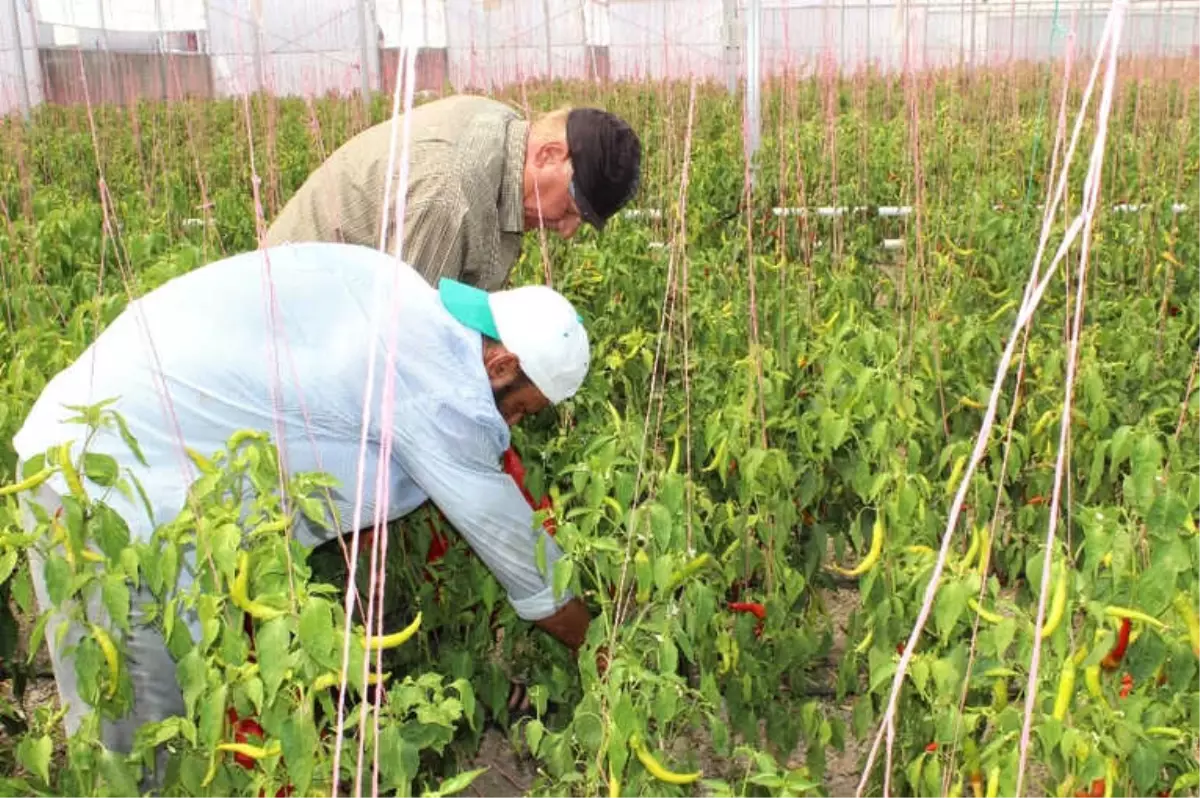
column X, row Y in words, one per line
column 7, row 563
column 951, row 604
column 466, row 694
column 298, row 741
column 398, row 759
column 534, row 731
column 127, row 436
column 115, row 595
column 456, row 784
column 22, row 592
column 34, row 755
column 100, row 468
column 833, row 430
column 316, row 633
column 272, row 642
column 564, row 568
column 192, row 675
column 118, row 774
column 57, row 574
column 1146, row 759
column 212, row 716
column 1155, row 590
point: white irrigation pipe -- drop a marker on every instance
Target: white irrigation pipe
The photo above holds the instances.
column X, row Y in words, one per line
column 1034, row 291
column 883, row 211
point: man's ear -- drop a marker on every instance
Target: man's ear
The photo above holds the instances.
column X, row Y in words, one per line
column 550, row 153
column 502, row 366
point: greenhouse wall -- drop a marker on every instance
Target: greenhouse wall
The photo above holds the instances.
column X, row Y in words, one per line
column 172, row 48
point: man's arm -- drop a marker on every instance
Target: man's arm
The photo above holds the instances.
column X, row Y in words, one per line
column 485, row 506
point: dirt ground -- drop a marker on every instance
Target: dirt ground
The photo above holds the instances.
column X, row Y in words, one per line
column 508, row 775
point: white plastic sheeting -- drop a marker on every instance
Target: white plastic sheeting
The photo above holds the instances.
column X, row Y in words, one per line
column 131, row 16
column 412, row 23
column 317, row 46
column 20, row 71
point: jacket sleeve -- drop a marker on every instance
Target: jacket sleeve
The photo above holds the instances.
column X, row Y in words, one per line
column 452, row 465
column 435, row 236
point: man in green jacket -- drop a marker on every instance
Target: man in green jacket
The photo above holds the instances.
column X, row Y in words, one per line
column 479, row 177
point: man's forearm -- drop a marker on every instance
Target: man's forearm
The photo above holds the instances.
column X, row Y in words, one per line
column 569, row 625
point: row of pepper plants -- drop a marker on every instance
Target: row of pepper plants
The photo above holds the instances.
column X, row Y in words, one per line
column 709, row 485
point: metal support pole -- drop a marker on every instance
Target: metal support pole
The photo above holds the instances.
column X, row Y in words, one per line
column 868, row 48
column 256, row 7
column 589, row 55
column 974, row 15
column 753, row 78
column 370, row 49
column 162, row 49
column 21, row 71
column 549, row 40
column 729, row 30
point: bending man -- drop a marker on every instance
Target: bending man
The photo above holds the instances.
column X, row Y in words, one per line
column 212, row 352
column 479, row 177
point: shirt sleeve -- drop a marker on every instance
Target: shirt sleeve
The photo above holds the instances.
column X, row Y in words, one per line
column 453, row 467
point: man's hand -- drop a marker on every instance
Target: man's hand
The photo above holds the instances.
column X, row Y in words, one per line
column 569, row 625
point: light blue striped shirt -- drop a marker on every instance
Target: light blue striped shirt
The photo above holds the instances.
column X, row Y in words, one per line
column 279, row 340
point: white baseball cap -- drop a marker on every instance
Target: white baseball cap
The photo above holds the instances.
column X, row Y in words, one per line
column 534, row 322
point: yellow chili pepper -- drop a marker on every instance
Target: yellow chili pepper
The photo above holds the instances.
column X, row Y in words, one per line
column 1183, row 605
column 252, row 751
column 238, row 591
column 1066, row 690
column 1133, row 615
column 69, row 472
column 396, row 638
column 990, row 617
column 873, row 553
column 1058, row 602
column 327, row 680
column 110, row 656
column 655, row 769
column 27, row 484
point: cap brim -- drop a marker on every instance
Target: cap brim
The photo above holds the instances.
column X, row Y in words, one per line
column 586, row 212
column 469, row 305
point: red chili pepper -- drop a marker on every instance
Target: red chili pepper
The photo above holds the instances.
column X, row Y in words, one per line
column 365, row 539
column 755, row 609
column 1113, row 658
column 516, row 469
column 438, row 545
column 1126, row 685
column 243, row 729
column 1098, row 788
column 931, row 747
column 1036, row 500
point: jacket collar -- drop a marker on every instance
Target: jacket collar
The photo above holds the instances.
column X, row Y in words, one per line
column 512, row 205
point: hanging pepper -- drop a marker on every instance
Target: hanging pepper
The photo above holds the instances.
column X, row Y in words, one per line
column 1112, row 659
column 755, row 609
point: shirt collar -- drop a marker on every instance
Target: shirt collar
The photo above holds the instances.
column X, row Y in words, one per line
column 512, row 207
column 476, row 389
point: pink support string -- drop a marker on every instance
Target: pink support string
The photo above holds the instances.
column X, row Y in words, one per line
column 382, row 470
column 1034, row 291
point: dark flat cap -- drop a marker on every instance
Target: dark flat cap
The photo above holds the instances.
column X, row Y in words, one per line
column 607, row 157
